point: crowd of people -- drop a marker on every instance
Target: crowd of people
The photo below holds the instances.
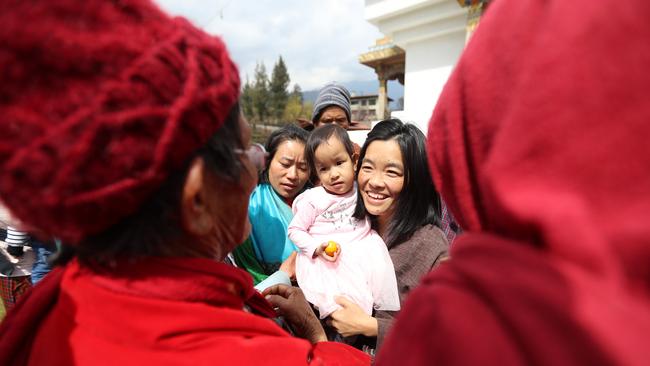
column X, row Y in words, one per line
column 185, row 243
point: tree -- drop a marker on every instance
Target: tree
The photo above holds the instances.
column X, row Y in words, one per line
column 296, row 106
column 261, row 94
column 307, row 108
column 278, row 93
column 294, row 109
column 297, row 92
column 247, row 100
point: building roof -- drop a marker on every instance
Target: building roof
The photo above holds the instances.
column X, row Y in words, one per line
column 367, row 96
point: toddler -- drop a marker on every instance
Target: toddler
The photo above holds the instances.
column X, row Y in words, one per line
column 338, row 254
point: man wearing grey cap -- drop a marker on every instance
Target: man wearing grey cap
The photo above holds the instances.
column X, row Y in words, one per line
column 332, row 106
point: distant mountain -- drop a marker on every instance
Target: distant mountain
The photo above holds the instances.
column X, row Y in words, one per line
column 395, row 90
column 309, row 95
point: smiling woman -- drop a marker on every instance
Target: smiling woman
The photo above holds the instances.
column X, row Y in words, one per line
column 382, row 178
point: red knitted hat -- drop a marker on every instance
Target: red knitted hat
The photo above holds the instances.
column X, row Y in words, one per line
column 99, row 102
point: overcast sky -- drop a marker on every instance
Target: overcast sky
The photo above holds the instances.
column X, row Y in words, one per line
column 320, row 40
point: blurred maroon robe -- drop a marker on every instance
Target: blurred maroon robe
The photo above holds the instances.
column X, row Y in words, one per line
column 540, row 145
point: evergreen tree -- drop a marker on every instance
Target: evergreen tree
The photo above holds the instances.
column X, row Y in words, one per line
column 247, row 100
column 279, row 95
column 261, row 94
column 294, row 107
column 297, row 92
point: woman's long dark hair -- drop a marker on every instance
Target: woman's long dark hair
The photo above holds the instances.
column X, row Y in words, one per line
column 419, row 202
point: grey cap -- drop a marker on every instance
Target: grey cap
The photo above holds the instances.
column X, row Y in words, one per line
column 332, row 94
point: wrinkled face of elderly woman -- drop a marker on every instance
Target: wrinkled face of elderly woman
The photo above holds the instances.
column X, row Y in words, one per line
column 229, row 204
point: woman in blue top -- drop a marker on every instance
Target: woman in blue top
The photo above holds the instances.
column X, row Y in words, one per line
column 269, row 211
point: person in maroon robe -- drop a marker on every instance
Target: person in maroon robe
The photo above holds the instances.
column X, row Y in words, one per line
column 539, row 145
column 122, row 135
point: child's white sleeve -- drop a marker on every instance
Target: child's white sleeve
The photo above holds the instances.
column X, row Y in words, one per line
column 383, row 282
column 304, row 214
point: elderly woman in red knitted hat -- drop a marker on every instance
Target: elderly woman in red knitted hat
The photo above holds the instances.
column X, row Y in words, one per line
column 121, row 134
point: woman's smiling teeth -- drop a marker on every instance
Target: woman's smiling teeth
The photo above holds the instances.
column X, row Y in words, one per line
column 376, row 196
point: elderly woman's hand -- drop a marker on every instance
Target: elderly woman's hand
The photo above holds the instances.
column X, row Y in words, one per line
column 295, row 309
column 351, row 319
